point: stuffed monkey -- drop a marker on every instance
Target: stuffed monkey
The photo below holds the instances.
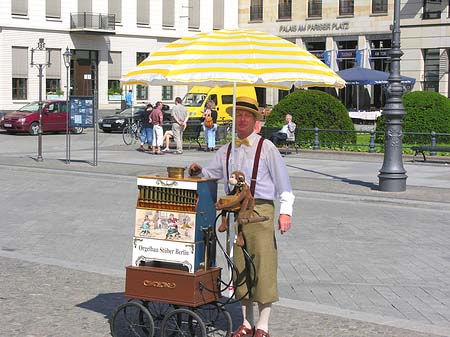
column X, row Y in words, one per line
column 239, row 199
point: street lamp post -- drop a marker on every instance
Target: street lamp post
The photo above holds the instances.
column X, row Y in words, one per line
column 40, row 58
column 67, row 58
column 392, row 177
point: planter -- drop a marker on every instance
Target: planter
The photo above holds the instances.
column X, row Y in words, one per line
column 56, row 97
column 114, row 97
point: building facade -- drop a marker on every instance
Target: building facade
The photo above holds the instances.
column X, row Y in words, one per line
column 107, row 38
column 345, row 33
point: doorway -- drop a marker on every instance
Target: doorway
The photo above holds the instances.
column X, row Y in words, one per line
column 82, row 74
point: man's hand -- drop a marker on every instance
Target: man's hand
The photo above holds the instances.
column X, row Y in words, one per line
column 284, row 223
column 195, row 169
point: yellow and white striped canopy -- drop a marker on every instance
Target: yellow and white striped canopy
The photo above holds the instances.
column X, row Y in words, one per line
column 225, row 57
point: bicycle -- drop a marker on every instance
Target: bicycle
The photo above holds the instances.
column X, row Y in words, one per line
column 132, row 133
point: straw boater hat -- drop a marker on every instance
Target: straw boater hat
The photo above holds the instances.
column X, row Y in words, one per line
column 247, row 104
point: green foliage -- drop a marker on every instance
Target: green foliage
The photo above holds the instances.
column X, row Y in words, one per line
column 426, row 111
column 115, row 91
column 314, row 108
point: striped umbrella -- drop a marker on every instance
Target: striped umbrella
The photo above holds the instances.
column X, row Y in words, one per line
column 227, row 57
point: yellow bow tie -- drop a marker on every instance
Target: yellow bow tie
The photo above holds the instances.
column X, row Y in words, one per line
column 240, row 142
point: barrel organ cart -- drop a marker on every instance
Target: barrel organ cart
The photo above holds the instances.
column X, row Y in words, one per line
column 173, row 284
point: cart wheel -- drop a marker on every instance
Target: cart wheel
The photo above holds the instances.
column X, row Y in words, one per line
column 217, row 320
column 182, row 322
column 131, row 319
column 158, row 310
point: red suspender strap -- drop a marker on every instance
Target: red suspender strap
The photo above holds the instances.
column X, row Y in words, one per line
column 255, row 164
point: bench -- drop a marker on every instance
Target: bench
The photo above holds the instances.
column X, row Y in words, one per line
column 429, row 148
column 286, row 145
column 191, row 134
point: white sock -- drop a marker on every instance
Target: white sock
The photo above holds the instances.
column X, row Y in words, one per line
column 247, row 313
column 264, row 315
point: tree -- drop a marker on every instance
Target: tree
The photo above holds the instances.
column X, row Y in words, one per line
column 426, row 111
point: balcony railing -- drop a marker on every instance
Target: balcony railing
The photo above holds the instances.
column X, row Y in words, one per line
column 432, row 15
column 256, row 13
column 92, row 22
column 284, row 11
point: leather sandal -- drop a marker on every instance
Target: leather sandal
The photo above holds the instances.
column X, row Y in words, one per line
column 261, row 333
column 243, row 331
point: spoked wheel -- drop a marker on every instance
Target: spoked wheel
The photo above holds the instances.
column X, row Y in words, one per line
column 182, row 323
column 216, row 319
column 131, row 319
column 138, row 133
column 128, row 135
column 158, row 310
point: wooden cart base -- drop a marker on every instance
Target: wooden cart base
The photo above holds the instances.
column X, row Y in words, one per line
column 173, row 286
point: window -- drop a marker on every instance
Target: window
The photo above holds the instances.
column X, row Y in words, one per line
column 432, row 9
column 141, row 90
column 194, row 14
column 219, row 12
column 346, row 7
column 379, row 6
column 256, row 10
column 53, row 72
column 19, row 72
column 284, row 9
column 53, row 9
column 52, row 86
column 19, row 7
column 431, row 69
column 314, row 8
column 115, row 8
column 114, row 72
column 168, row 13
column 143, row 12
column 167, row 93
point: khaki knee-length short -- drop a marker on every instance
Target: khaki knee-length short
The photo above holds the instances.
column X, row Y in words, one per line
column 260, row 243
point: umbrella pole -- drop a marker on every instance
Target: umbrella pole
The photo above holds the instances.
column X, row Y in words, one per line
column 231, row 229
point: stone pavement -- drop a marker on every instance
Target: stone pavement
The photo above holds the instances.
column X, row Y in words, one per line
column 358, row 262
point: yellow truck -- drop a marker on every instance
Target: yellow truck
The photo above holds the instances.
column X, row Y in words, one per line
column 197, row 97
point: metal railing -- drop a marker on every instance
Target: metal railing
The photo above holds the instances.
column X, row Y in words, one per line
column 314, row 138
column 93, row 21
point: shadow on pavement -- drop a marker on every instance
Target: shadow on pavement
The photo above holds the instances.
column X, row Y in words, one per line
column 370, row 185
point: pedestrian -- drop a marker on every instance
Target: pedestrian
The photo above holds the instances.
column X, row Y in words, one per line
column 287, row 132
column 167, row 136
column 147, row 129
column 180, row 117
column 209, row 121
column 157, row 120
column 129, row 98
column 266, row 173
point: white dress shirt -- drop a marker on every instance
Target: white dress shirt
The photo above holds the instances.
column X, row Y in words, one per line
column 272, row 181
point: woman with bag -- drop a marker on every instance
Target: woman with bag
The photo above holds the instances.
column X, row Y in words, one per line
column 209, row 120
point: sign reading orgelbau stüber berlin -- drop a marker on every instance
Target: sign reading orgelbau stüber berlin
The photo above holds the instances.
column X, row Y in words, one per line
column 81, row 111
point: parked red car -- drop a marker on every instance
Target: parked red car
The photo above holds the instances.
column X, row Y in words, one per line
column 26, row 119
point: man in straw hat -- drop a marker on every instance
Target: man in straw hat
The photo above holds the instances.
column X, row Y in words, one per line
column 267, row 176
